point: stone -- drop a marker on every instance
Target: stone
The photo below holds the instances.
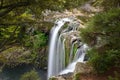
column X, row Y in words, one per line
column 82, row 68
column 57, row 78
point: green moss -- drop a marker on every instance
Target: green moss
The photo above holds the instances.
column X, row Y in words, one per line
column 32, row 75
column 76, row 76
column 15, row 56
column 83, row 18
column 52, row 78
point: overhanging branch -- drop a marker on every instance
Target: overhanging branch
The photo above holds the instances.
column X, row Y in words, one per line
column 21, row 23
column 14, row 5
column 10, row 7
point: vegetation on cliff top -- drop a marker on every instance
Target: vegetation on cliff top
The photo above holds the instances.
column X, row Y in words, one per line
column 102, row 35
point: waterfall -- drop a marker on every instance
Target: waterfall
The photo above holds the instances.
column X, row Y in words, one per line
column 53, row 61
column 60, row 58
column 57, row 49
column 79, row 57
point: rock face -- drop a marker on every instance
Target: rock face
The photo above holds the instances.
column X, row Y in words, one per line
column 62, row 77
column 67, row 76
column 82, row 68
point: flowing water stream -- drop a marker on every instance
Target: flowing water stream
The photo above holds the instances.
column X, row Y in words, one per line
column 53, row 62
column 58, row 55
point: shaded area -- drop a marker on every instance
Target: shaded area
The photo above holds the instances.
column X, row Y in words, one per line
column 15, row 73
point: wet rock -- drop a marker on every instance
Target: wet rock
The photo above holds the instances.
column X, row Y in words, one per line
column 67, row 76
column 57, row 78
column 82, row 68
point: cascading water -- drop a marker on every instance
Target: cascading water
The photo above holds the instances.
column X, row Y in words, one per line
column 79, row 57
column 57, row 55
column 53, row 62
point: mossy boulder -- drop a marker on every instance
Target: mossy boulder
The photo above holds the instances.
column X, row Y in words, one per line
column 82, row 68
column 31, row 75
column 53, row 78
column 14, row 56
column 76, row 76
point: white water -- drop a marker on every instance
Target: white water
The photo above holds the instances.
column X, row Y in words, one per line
column 56, row 64
column 53, row 63
column 79, row 57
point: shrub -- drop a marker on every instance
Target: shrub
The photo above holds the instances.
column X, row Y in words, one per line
column 32, row 75
column 39, row 40
column 104, row 26
column 102, row 34
column 103, row 62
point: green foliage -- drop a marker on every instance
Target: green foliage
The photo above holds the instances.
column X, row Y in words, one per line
column 108, row 4
column 52, row 78
column 15, row 56
column 39, row 40
column 32, row 75
column 102, row 34
column 103, row 62
column 25, row 13
column 105, row 26
column 77, row 76
column 27, row 41
column 8, row 34
column 29, row 46
column 36, row 40
column 74, row 51
column 73, row 3
column 117, row 76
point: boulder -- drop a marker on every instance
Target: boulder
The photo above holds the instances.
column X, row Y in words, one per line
column 82, row 68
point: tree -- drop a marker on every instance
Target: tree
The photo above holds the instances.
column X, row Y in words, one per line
column 27, row 13
column 102, row 34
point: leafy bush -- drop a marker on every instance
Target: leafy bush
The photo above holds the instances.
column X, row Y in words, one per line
column 103, row 62
column 32, row 75
column 39, row 40
column 102, row 34
column 104, row 26
column 98, row 61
